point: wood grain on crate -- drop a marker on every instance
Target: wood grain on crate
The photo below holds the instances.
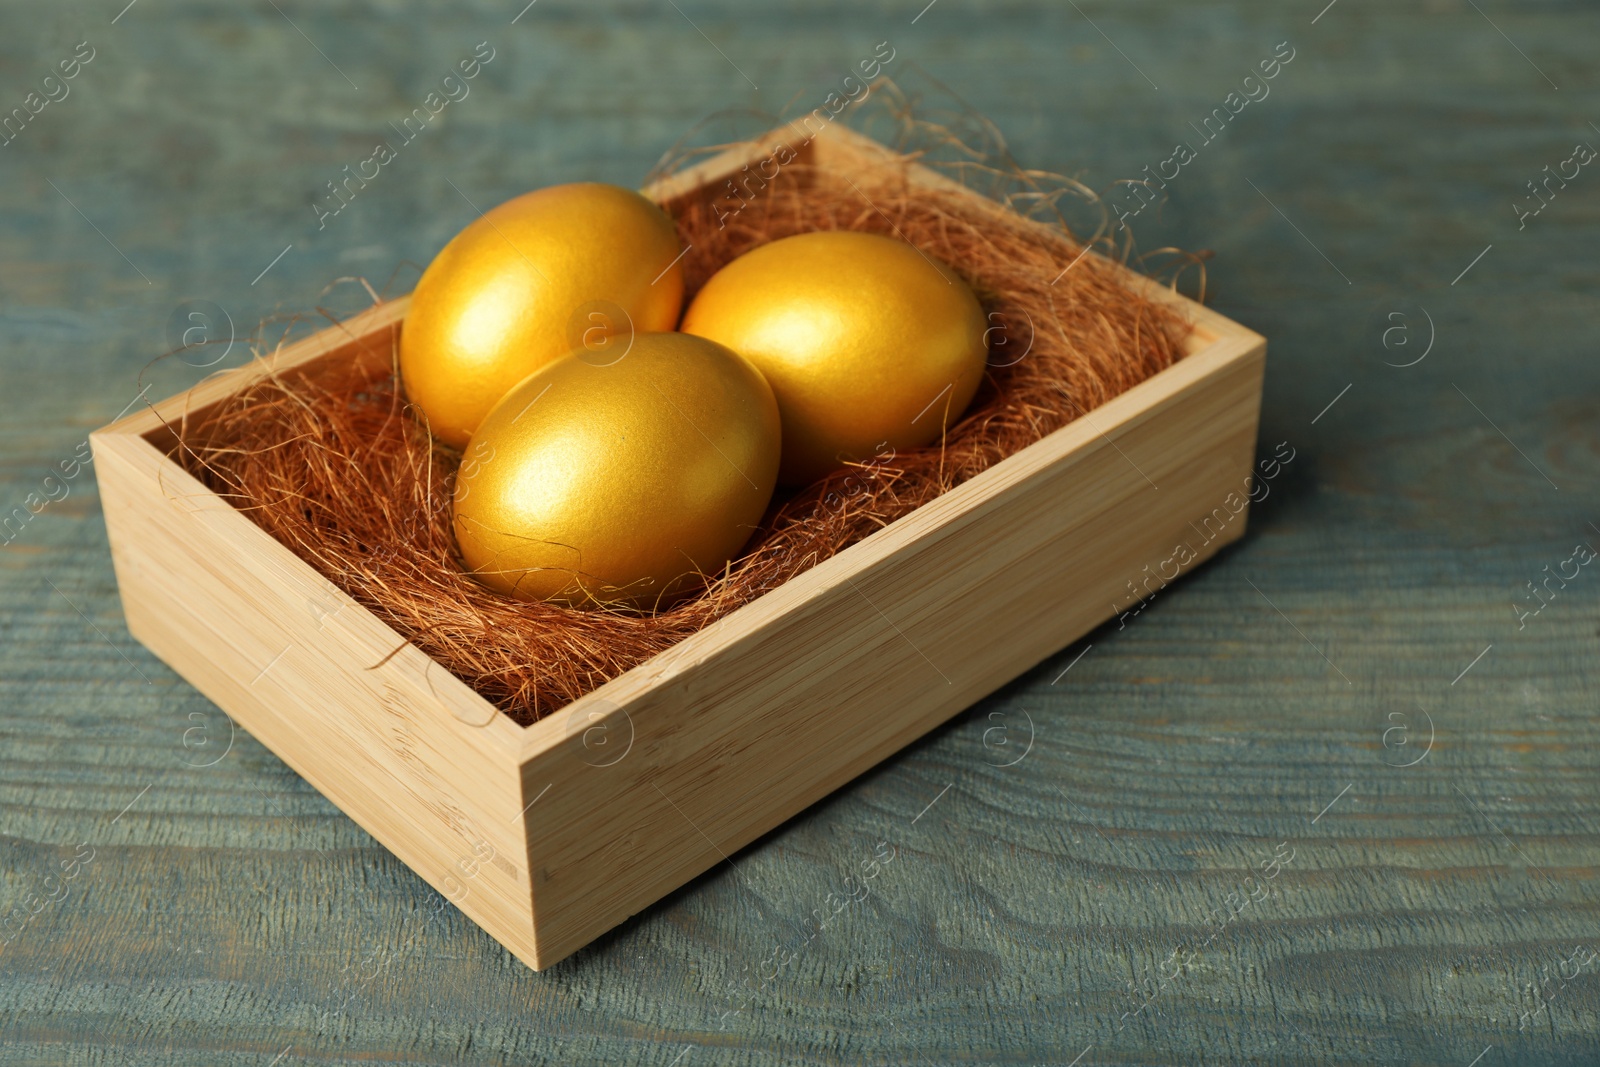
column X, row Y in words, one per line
column 311, row 673
column 737, row 728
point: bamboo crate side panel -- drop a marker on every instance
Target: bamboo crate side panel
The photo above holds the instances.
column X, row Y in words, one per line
column 779, row 715
column 293, row 660
column 706, row 181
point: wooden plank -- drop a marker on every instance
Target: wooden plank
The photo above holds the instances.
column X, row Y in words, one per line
column 230, row 910
column 188, row 605
column 403, row 747
column 797, row 693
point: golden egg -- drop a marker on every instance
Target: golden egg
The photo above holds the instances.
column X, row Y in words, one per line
column 615, row 478
column 866, row 342
column 531, row 280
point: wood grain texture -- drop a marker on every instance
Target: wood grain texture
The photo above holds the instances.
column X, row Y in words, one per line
column 398, row 744
column 750, row 721
column 231, row 914
column 787, row 699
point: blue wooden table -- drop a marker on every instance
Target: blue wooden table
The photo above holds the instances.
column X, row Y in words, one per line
column 1330, row 799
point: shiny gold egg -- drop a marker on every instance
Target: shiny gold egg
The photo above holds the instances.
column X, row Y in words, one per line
column 529, row 281
column 867, row 343
column 616, row 478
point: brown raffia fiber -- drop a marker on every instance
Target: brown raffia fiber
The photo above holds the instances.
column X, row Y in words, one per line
column 338, row 468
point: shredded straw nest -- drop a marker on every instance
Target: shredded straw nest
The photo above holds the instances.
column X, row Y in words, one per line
column 338, row 468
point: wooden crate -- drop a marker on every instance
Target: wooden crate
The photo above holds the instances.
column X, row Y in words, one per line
column 548, row 836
